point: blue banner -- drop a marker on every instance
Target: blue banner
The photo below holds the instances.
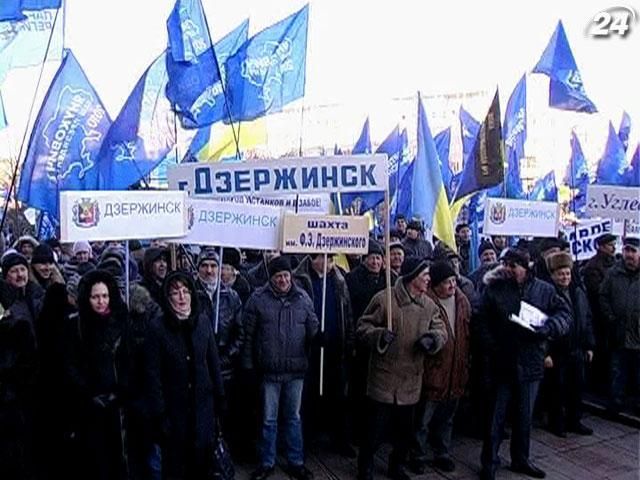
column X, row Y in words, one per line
column 566, row 90
column 65, row 140
column 11, row 10
column 142, row 135
column 515, row 134
column 40, row 4
column 45, row 226
column 196, row 90
column 188, row 32
column 632, row 175
column 612, row 165
column 269, row 70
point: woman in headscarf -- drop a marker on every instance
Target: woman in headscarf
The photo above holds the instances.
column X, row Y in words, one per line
column 185, row 390
column 95, row 363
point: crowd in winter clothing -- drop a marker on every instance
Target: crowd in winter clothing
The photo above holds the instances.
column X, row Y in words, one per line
column 133, row 365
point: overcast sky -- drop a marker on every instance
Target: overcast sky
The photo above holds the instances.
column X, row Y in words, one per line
column 363, row 53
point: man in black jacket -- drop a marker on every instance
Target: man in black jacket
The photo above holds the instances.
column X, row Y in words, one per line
column 280, row 324
column 155, row 265
column 570, row 354
column 515, row 354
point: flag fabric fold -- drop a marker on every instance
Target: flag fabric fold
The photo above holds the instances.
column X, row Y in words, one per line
column 545, row 189
column 66, row 139
column 443, row 144
column 612, row 164
column 632, row 175
column 625, row 130
column 515, row 135
column 566, row 90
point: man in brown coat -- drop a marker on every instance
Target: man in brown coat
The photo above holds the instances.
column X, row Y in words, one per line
column 445, row 374
column 396, row 365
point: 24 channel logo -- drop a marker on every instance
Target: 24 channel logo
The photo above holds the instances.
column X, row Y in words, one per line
column 615, row 20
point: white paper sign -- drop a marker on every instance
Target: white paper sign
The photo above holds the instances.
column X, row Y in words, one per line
column 314, row 203
column 607, row 201
column 228, row 224
column 521, row 217
column 122, row 215
column 325, row 234
column 583, row 237
column 348, row 173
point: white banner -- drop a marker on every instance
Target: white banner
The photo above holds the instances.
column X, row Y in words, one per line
column 325, row 234
column 521, row 217
column 348, row 173
column 122, row 215
column 228, row 224
column 315, row 203
column 582, row 238
column 605, row 201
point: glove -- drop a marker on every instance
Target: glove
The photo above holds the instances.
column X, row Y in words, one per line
column 104, row 401
column 426, row 342
column 386, row 338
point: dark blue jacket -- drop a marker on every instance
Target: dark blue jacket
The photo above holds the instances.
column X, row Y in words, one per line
column 514, row 353
column 279, row 330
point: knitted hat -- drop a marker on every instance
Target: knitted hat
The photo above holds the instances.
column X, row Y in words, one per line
column 605, row 238
column 559, row 260
column 231, row 256
column 82, row 246
column 631, row 242
column 279, row 264
column 375, row 248
column 484, row 246
column 412, row 267
column 517, row 256
column 415, row 225
column 42, row 254
column 440, row 271
column 11, row 260
column 135, row 245
column 208, row 254
column 398, row 245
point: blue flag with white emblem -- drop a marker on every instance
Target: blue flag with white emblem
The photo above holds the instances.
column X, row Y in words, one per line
column 632, row 175
column 11, row 10
column 612, row 165
column 545, row 189
column 515, row 134
column 469, row 128
column 143, row 133
column 195, row 89
column 65, row 140
column 269, row 70
column 577, row 173
column 625, row 130
column 362, row 145
column 188, row 32
column 566, row 90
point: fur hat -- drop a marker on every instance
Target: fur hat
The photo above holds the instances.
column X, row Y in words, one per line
column 10, row 260
column 484, row 246
column 279, row 264
column 415, row 225
column 43, row 254
column 440, row 271
column 559, row 260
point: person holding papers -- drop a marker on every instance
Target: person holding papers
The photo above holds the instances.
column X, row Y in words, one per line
column 514, row 347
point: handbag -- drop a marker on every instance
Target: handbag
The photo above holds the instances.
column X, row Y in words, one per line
column 221, row 467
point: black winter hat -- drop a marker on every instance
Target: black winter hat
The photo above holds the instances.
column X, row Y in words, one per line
column 279, row 264
column 398, row 245
column 412, row 267
column 605, row 238
column 484, row 246
column 375, row 248
column 631, row 242
column 231, row 256
column 549, row 243
column 208, row 254
column 440, row 271
column 11, row 260
column 43, row 254
column 415, row 225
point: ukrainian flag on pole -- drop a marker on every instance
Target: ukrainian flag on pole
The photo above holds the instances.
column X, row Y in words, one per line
column 428, row 195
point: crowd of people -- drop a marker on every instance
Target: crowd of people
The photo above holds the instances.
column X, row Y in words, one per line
column 136, row 365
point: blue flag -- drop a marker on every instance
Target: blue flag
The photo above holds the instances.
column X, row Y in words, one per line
column 11, row 10
column 403, row 196
column 3, row 116
column 269, row 70
column 515, row 134
column 545, row 189
column 469, row 128
column 632, row 175
column 612, row 165
column 428, row 196
column 443, row 143
column 40, row 4
column 195, row 89
column 45, row 226
column 625, row 130
column 362, row 145
column 65, row 140
column 577, row 174
column 24, row 43
column 566, row 90
column 188, row 31
column 142, row 135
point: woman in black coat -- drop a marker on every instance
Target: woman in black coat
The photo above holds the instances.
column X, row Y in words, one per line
column 185, row 390
column 95, row 360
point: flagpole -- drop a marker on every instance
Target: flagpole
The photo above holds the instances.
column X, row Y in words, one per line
column 217, row 320
column 322, row 319
column 236, row 136
column 127, row 280
column 387, row 242
column 26, row 128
